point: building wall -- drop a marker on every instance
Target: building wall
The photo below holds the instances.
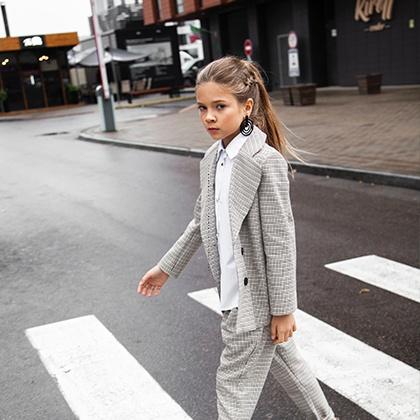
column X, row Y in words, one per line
column 324, row 59
column 395, row 51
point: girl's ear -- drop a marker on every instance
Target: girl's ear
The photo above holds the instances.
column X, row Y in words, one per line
column 249, row 104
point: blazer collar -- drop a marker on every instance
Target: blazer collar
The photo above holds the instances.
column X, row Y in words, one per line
column 252, row 145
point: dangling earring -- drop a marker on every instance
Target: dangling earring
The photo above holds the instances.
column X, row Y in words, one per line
column 246, row 126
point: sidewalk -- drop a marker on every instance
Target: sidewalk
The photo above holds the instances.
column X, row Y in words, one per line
column 374, row 134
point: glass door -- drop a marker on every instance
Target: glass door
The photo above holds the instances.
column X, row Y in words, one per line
column 32, row 84
column 52, row 82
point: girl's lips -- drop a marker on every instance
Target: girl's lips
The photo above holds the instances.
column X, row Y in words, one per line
column 212, row 129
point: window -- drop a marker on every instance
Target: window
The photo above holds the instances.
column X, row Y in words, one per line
column 179, row 7
column 158, row 9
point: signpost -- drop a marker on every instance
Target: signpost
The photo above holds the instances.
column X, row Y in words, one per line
column 248, row 49
column 293, row 55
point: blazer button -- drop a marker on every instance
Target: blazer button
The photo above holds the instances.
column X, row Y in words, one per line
column 242, row 251
column 245, row 281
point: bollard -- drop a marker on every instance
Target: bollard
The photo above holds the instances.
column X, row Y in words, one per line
column 106, row 109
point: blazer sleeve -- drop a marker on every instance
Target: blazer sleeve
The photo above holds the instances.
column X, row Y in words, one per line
column 178, row 256
column 278, row 230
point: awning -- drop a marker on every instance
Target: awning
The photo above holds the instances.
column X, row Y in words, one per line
column 89, row 58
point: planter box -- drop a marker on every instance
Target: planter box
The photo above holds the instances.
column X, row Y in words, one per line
column 303, row 94
column 369, row 83
column 286, row 95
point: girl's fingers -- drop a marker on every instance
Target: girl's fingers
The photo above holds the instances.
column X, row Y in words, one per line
column 273, row 331
column 282, row 337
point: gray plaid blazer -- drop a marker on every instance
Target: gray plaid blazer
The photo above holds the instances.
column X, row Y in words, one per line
column 263, row 232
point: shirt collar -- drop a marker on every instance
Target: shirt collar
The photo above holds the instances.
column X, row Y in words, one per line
column 232, row 149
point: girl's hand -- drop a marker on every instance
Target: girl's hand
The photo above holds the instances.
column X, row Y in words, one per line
column 152, row 282
column 282, row 327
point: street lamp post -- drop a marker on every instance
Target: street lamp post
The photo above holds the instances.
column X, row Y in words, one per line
column 6, row 23
column 103, row 93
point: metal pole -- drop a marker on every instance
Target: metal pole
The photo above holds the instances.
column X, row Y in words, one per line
column 105, row 99
column 6, row 23
column 99, row 50
column 116, row 80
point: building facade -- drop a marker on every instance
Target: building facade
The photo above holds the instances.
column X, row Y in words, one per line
column 336, row 39
column 34, row 70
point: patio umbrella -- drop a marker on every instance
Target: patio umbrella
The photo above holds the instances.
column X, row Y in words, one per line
column 89, row 58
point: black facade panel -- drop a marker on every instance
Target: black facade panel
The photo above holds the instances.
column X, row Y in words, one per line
column 234, row 31
column 393, row 51
column 275, row 22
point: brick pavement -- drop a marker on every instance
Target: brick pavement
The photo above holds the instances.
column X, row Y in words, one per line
column 378, row 133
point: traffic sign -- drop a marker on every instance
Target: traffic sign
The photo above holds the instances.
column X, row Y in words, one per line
column 292, row 39
column 248, row 48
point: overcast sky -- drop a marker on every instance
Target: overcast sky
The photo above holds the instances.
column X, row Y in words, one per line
column 31, row 17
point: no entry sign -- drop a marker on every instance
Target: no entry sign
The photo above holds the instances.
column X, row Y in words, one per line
column 248, row 48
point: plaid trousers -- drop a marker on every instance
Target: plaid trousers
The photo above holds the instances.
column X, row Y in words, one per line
column 245, row 361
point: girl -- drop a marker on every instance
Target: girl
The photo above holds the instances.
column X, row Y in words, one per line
column 244, row 220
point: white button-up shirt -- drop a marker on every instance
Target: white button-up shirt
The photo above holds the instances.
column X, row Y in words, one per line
column 229, row 286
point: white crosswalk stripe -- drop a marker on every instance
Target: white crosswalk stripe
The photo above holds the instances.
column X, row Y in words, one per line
column 383, row 386
column 393, row 276
column 98, row 377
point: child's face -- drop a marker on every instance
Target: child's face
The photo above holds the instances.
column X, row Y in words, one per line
column 220, row 112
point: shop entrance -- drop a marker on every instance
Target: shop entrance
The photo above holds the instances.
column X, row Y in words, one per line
column 52, row 81
column 32, row 86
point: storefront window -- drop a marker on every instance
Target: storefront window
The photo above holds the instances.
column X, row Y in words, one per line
column 8, row 62
column 10, row 81
column 28, row 60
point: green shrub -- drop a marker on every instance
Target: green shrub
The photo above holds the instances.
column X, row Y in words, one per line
column 3, row 95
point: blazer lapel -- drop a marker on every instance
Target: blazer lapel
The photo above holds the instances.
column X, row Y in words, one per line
column 208, row 215
column 245, row 179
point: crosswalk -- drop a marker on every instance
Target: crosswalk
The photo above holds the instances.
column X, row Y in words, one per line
column 393, row 276
column 100, row 379
column 380, row 384
column 97, row 376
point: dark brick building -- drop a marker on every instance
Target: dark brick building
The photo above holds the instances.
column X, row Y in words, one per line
column 337, row 39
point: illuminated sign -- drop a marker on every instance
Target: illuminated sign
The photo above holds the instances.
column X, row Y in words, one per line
column 32, row 41
column 366, row 8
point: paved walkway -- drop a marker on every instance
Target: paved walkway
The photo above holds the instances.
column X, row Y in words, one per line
column 379, row 133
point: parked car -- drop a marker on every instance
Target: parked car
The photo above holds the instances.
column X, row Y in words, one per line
column 190, row 70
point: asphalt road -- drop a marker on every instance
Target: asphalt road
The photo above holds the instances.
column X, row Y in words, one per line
column 80, row 223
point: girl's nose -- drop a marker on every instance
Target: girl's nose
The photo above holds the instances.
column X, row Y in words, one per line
column 209, row 118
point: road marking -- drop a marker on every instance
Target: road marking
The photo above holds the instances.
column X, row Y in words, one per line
column 98, row 377
column 393, row 276
column 383, row 386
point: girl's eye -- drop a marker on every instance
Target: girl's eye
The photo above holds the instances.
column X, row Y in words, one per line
column 200, row 108
column 221, row 106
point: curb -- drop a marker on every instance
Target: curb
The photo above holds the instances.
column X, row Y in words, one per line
column 186, row 151
column 156, row 102
column 380, row 178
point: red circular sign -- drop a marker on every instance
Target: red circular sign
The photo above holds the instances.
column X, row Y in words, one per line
column 248, row 47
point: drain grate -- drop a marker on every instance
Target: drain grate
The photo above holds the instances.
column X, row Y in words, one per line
column 54, row 133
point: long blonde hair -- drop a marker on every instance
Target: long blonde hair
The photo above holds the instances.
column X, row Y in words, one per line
column 244, row 80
